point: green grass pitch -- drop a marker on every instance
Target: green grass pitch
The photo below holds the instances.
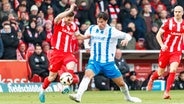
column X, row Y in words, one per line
column 93, row 97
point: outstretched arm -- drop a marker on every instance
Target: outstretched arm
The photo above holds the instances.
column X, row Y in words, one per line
column 64, row 14
column 125, row 41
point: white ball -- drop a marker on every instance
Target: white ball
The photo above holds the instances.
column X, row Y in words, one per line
column 66, row 78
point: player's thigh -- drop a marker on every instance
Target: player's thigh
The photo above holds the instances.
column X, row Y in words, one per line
column 163, row 60
column 174, row 61
column 111, row 70
column 69, row 61
column 93, row 66
column 55, row 63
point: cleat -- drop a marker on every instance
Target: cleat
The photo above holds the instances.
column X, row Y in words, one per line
column 42, row 97
column 149, row 85
column 74, row 98
column 134, row 100
column 166, row 95
column 65, row 90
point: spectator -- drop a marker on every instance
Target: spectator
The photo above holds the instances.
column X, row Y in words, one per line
column 48, row 30
column 49, row 12
column 148, row 16
column 21, row 51
column 22, row 9
column 34, row 34
column 121, row 62
column 131, row 44
column 124, row 11
column 179, row 83
column 39, row 63
column 23, row 21
column 119, row 26
column 38, row 3
column 140, row 44
column 83, row 12
column 1, row 47
column 138, row 21
column 10, row 41
column 46, row 48
column 162, row 18
column 113, row 10
column 61, row 6
column 132, row 82
column 100, row 6
column 6, row 10
column 33, row 11
column 150, row 39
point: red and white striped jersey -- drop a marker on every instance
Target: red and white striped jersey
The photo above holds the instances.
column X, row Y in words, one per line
column 62, row 37
column 173, row 34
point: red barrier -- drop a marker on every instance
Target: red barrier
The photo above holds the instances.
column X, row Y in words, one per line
column 13, row 71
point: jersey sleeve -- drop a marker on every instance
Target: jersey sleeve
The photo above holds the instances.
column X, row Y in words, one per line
column 165, row 26
column 121, row 35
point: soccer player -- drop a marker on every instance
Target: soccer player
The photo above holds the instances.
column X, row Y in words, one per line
column 170, row 38
column 61, row 42
column 103, row 43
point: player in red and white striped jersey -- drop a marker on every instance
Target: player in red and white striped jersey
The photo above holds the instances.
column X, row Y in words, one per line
column 61, row 43
column 170, row 38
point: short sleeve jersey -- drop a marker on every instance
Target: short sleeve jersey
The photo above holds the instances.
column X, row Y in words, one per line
column 62, row 37
column 173, row 34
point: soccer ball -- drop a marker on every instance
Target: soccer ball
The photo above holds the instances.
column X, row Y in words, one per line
column 66, row 78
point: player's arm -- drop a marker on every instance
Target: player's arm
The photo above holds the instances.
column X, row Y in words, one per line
column 59, row 17
column 81, row 36
column 159, row 39
column 122, row 35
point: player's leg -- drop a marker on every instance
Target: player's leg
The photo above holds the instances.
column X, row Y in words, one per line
column 45, row 84
column 83, row 86
column 111, row 71
column 153, row 77
column 175, row 60
column 70, row 68
column 163, row 61
column 92, row 69
column 55, row 65
column 124, row 89
column 70, row 63
column 170, row 79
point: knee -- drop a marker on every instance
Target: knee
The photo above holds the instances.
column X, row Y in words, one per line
column 52, row 77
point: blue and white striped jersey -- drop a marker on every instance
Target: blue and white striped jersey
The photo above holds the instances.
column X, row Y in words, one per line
column 103, row 42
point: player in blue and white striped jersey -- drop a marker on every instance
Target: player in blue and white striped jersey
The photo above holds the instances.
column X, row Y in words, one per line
column 102, row 47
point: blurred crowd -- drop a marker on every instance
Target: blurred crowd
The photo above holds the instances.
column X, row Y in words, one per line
column 26, row 24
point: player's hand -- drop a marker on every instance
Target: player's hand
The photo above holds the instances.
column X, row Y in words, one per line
column 124, row 42
column 72, row 6
column 87, row 36
column 88, row 50
column 164, row 47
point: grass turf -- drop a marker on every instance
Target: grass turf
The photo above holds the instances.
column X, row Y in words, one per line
column 92, row 97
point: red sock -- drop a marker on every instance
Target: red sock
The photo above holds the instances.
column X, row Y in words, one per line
column 154, row 76
column 46, row 83
column 170, row 81
column 75, row 77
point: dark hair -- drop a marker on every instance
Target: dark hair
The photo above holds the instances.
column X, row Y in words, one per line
column 71, row 14
column 103, row 15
